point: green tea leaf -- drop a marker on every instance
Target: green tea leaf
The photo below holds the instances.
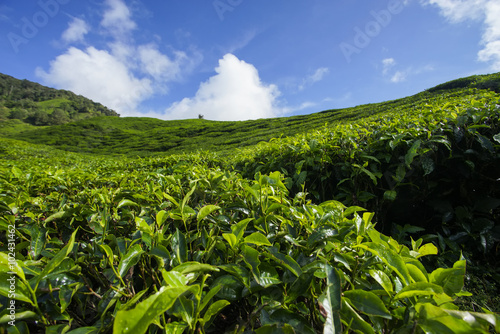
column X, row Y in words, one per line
column 12, row 288
column 419, row 289
column 427, row 249
column 497, row 137
column 38, row 238
column 179, row 246
column 66, row 295
column 214, row 309
column 143, row 226
column 240, row 228
column 174, row 278
column 55, row 216
column 352, row 318
column 161, row 217
column 130, row 259
column 11, row 266
column 208, row 297
column 368, row 303
column 184, row 308
column 194, row 267
column 381, row 278
column 416, row 273
column 452, row 279
column 390, row 258
column 390, row 195
column 330, row 300
column 230, row 238
column 175, row 327
column 57, row 259
column 412, row 152
column 251, row 258
column 84, row 330
column 285, row 261
column 126, row 202
column 258, row 239
column 206, row 210
column 109, row 253
column 138, row 319
column 433, row 319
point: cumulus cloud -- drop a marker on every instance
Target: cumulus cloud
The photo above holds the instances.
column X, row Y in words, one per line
column 234, row 93
column 159, row 65
column 99, row 75
column 486, row 10
column 76, row 31
column 118, row 18
column 124, row 73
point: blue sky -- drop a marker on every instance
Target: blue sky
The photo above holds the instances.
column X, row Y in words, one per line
column 246, row 59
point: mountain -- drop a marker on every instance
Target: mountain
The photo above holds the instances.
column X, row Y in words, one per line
column 31, row 103
column 147, row 136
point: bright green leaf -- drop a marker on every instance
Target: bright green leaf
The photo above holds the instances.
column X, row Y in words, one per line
column 258, row 239
column 368, row 303
column 138, row 319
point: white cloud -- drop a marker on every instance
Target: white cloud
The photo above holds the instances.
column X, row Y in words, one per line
column 76, row 31
column 459, row 10
column 486, row 10
column 158, row 65
column 491, row 38
column 317, row 76
column 399, row 76
column 100, row 76
column 234, row 93
column 124, row 73
column 118, row 18
column 387, row 63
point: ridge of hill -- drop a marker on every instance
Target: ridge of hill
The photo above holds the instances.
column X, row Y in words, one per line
column 148, row 136
column 23, row 103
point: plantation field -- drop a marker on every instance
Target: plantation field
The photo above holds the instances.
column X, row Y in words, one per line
column 146, row 136
column 384, row 220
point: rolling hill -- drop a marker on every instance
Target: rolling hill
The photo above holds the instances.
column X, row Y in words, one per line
column 146, row 136
column 25, row 102
column 383, row 218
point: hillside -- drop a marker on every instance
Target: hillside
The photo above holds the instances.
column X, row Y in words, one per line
column 145, row 136
column 25, row 102
column 385, row 220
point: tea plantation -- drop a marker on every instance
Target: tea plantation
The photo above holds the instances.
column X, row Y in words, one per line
column 382, row 218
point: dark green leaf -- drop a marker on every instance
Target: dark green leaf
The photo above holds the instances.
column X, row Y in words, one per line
column 38, row 238
column 57, row 259
column 179, row 246
column 330, row 300
column 130, row 259
column 285, row 261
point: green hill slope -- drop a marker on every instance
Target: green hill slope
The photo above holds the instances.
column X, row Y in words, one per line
column 145, row 136
column 34, row 104
column 385, row 221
